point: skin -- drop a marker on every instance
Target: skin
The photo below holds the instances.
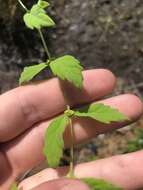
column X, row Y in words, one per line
column 26, row 112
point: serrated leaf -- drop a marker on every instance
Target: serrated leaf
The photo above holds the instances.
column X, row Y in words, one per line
column 14, row 187
column 37, row 17
column 99, row 184
column 54, row 142
column 31, row 71
column 68, row 68
column 102, row 113
column 43, row 4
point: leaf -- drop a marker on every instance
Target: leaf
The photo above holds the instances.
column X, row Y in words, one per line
column 31, row 71
column 43, row 4
column 37, row 16
column 68, row 68
column 99, row 184
column 102, row 113
column 54, row 143
column 14, row 187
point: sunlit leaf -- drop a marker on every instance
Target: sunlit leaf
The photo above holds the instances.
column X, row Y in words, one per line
column 30, row 72
column 68, row 68
column 54, row 142
column 37, row 17
column 43, row 4
column 101, row 113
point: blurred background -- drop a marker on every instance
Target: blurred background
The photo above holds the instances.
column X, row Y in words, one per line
column 101, row 33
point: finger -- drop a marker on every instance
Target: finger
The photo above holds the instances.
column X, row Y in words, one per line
column 27, row 105
column 29, row 146
column 62, row 184
column 123, row 170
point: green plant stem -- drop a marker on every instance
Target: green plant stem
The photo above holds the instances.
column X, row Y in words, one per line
column 44, row 43
column 71, row 170
column 24, row 7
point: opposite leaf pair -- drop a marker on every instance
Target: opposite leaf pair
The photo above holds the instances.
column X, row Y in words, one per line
column 66, row 68
column 54, row 142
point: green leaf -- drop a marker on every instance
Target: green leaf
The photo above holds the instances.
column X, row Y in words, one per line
column 54, row 142
column 31, row 71
column 37, row 17
column 102, row 113
column 43, row 4
column 99, row 184
column 68, row 68
column 14, row 187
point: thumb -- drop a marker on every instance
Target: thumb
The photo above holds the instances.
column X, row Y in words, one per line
column 63, row 184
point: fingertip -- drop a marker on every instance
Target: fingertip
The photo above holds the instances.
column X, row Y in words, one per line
column 110, row 79
column 100, row 82
column 134, row 106
column 109, row 76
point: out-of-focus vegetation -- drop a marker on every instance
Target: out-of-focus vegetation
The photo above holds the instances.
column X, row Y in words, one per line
column 137, row 143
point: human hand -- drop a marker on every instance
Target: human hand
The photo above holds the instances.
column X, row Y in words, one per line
column 26, row 112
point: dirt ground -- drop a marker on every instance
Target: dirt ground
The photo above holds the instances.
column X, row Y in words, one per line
column 101, row 33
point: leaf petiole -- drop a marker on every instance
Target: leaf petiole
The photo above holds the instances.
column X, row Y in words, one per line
column 22, row 5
